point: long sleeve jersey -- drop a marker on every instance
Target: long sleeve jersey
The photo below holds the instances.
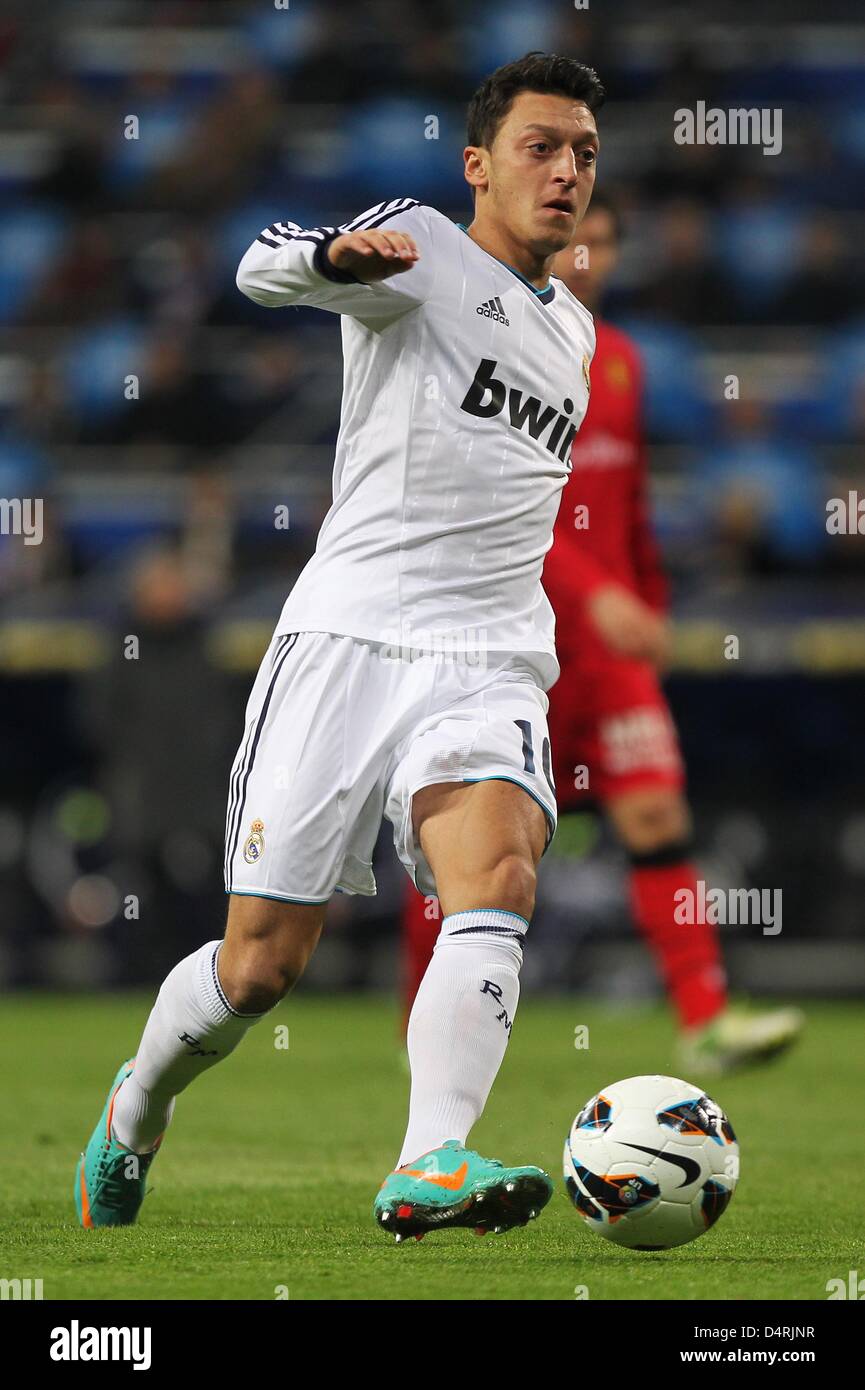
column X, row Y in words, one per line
column 463, row 389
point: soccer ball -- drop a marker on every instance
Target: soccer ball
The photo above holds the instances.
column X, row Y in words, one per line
column 651, row 1162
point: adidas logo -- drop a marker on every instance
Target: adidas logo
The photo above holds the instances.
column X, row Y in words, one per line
column 494, row 309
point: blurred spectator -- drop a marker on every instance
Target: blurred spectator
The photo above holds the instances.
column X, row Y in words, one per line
column 180, row 403
column 77, row 172
column 160, row 695
column 686, row 284
column 85, row 283
column 234, row 142
column 823, row 289
column 760, row 497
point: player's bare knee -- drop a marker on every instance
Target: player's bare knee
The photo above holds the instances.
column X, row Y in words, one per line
column 261, row 971
column 512, row 884
column 266, row 949
column 255, row 985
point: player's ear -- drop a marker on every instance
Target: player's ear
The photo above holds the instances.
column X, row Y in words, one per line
column 475, row 170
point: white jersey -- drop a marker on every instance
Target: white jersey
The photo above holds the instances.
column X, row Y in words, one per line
column 463, row 389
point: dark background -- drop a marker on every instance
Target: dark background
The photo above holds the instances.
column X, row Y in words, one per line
column 117, row 259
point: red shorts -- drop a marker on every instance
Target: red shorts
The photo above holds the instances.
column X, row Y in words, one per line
column 611, row 730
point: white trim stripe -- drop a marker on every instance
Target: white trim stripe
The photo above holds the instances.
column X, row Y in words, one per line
column 380, row 212
column 279, row 234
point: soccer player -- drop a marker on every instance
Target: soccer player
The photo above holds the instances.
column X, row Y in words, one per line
column 613, row 738
column 408, row 672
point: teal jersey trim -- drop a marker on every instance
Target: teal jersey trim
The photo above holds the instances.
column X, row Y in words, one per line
column 548, row 290
column 500, row 777
column 276, row 897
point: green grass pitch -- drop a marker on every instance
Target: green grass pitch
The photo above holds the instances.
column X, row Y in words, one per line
column 265, row 1183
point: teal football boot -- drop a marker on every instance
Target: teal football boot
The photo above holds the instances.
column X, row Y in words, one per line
column 110, row 1179
column 453, row 1186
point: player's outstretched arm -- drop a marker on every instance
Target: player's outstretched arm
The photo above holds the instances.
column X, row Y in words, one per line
column 375, row 268
column 371, row 256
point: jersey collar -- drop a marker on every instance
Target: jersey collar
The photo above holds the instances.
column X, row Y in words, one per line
column 544, row 296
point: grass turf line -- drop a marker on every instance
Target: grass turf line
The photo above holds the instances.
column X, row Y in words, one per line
column 267, row 1176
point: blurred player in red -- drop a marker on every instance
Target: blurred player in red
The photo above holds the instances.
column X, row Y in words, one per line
column 613, row 739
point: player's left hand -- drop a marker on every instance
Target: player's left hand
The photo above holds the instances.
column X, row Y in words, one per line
column 371, row 256
column 628, row 626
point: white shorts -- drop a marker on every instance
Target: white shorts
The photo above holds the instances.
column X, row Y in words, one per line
column 340, row 733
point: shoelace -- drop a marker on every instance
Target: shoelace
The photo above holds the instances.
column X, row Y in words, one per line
column 116, row 1189
column 493, row 1162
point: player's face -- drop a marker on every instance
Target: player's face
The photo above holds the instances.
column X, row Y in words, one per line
column 540, row 170
column 587, row 263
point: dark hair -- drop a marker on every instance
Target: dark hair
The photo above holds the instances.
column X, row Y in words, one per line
column 536, row 72
column 604, row 202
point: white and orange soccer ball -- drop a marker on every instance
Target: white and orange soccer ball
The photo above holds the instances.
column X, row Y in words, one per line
column 651, row 1162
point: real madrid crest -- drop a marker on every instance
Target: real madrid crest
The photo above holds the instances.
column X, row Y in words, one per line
column 586, row 378
column 253, row 847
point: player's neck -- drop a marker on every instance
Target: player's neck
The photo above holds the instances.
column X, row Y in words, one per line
column 496, row 242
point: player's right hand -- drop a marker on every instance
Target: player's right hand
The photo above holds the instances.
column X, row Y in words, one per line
column 628, row 626
column 371, row 256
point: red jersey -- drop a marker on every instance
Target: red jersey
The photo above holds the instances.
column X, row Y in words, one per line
column 603, row 532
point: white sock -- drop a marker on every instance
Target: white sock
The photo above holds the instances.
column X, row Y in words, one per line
column 460, row 1024
column 191, row 1027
